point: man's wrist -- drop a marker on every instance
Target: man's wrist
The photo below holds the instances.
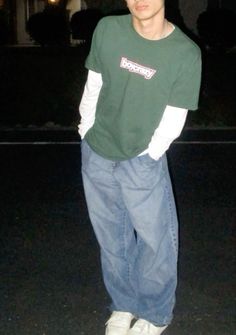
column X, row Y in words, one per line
column 155, row 154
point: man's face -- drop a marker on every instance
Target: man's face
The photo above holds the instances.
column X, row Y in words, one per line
column 145, row 9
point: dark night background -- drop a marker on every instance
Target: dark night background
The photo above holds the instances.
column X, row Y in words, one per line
column 50, row 278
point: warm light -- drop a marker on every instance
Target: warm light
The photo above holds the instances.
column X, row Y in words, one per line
column 53, row 1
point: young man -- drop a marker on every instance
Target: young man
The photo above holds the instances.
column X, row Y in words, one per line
column 144, row 75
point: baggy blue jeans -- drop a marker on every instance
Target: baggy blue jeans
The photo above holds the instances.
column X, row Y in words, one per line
column 132, row 210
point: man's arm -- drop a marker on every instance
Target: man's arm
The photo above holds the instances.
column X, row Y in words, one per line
column 169, row 129
column 88, row 102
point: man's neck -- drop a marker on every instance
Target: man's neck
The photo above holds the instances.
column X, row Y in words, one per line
column 153, row 28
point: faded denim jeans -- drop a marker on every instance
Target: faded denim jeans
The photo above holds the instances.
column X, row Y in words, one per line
column 132, row 210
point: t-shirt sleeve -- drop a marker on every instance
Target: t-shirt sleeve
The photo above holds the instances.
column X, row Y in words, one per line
column 93, row 61
column 185, row 90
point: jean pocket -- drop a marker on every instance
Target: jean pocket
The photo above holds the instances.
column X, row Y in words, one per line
column 85, row 152
column 147, row 159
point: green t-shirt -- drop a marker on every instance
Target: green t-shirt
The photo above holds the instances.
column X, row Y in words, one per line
column 140, row 78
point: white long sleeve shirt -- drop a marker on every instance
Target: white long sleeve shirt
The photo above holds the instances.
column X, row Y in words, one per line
column 168, row 130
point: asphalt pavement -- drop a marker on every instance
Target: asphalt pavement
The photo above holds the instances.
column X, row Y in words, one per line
column 49, row 265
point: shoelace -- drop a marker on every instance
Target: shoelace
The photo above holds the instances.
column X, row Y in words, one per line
column 142, row 325
column 118, row 320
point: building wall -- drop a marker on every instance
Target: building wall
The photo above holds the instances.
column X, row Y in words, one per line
column 190, row 11
column 229, row 4
column 21, row 12
column 73, row 6
column 25, row 8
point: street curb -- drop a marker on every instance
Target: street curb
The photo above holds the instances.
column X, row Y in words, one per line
column 69, row 135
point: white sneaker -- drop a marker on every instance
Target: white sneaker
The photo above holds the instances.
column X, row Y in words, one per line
column 119, row 323
column 143, row 327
